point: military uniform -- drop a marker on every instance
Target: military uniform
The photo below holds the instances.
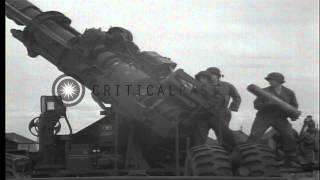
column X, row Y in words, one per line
column 309, row 141
column 222, row 91
column 208, row 121
column 270, row 115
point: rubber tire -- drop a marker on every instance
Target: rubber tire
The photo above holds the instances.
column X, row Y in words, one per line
column 208, row 160
column 258, row 160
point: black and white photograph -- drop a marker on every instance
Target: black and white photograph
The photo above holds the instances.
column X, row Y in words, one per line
column 170, row 89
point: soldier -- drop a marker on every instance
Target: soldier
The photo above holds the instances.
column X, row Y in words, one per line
column 309, row 140
column 202, row 128
column 220, row 127
column 224, row 91
column 270, row 115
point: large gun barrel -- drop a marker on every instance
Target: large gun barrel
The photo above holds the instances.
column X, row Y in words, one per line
column 50, row 35
column 23, row 12
column 91, row 59
column 256, row 90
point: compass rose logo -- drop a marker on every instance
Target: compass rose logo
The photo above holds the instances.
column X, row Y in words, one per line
column 70, row 90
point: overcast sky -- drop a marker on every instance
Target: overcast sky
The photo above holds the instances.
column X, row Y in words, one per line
column 245, row 39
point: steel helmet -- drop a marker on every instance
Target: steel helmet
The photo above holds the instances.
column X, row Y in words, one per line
column 276, row 77
column 202, row 73
column 215, row 71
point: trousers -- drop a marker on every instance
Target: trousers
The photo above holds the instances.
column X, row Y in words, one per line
column 220, row 125
column 281, row 125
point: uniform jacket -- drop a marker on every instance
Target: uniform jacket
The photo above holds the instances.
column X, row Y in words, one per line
column 225, row 91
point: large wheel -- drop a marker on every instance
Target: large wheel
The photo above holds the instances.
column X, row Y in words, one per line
column 257, row 160
column 208, row 160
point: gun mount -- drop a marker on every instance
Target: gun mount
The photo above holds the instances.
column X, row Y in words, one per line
column 97, row 58
column 152, row 129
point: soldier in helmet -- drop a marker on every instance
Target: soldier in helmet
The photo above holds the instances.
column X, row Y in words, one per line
column 224, row 91
column 309, row 140
column 269, row 115
column 200, row 133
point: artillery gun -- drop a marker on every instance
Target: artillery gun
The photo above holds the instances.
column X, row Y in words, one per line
column 139, row 134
